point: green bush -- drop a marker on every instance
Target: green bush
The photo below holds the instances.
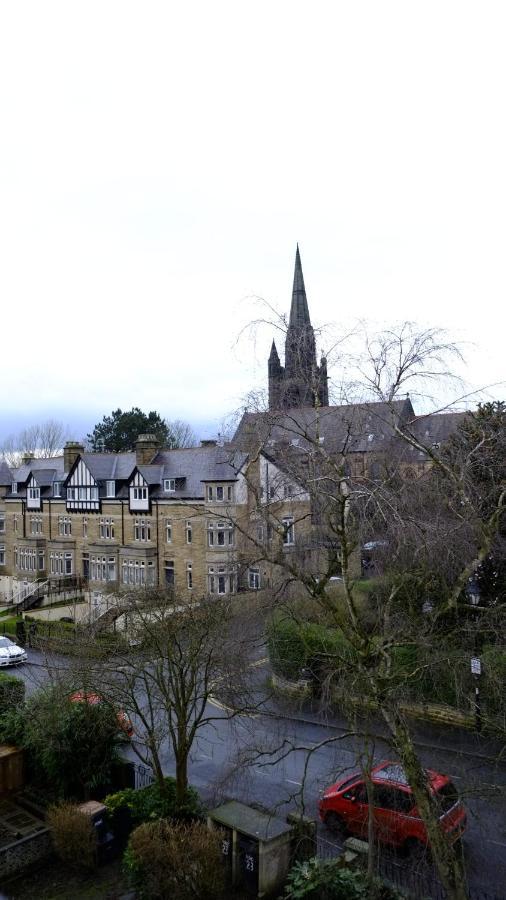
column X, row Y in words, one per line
column 329, row 880
column 70, row 748
column 8, row 625
column 177, row 860
column 129, row 808
column 12, row 692
column 295, row 644
column 494, row 680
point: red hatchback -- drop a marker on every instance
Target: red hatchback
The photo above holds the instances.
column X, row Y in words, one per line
column 124, row 721
column 344, row 807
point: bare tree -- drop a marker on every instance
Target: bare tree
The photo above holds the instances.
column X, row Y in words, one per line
column 43, row 441
column 181, row 654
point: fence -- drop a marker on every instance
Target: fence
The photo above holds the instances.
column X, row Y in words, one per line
column 418, row 882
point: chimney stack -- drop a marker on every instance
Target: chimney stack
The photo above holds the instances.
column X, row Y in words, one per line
column 146, row 447
column 71, row 451
column 27, row 458
column 208, row 443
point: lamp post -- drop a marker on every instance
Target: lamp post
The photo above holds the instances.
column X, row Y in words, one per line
column 473, row 593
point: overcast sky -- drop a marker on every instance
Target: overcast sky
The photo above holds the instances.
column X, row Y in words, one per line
column 159, row 162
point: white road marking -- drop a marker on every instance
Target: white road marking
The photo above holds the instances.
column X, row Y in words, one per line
column 289, row 780
column 498, row 843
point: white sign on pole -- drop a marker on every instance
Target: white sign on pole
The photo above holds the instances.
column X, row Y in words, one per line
column 475, row 665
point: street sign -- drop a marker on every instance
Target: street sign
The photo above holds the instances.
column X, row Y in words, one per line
column 475, row 665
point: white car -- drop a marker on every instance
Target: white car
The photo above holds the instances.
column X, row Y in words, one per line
column 10, row 653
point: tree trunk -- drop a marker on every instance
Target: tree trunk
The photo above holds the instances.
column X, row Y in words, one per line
column 449, row 866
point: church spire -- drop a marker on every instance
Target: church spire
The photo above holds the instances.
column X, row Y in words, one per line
column 299, row 311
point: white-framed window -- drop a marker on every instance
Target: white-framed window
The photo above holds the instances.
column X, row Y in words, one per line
column 56, row 488
column 35, row 524
column 106, row 529
column 2, row 523
column 2, row 554
column 14, row 487
column 15, row 522
column 221, row 580
column 110, row 488
column 189, row 576
column 168, row 531
column 34, row 493
column 82, row 493
column 260, row 533
column 103, row 568
column 230, row 493
column 41, row 563
column 220, row 534
column 60, row 563
column 15, row 557
column 85, row 526
column 272, row 492
column 140, row 493
column 64, row 526
column 133, row 571
column 288, row 491
column 210, row 492
column 219, row 492
column 169, row 573
column 142, row 530
column 288, row 531
column 254, row 578
column 27, row 559
column 189, row 532
column 169, row 484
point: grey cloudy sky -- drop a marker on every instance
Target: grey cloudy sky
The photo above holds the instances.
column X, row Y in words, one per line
column 159, row 161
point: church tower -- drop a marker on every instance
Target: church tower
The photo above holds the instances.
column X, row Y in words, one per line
column 300, row 382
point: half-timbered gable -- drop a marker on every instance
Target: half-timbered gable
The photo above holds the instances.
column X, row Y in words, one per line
column 138, row 494
column 82, row 489
column 33, row 500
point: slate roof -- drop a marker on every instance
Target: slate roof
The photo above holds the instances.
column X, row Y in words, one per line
column 198, row 465
column 54, row 464
column 5, row 473
column 110, row 466
column 357, row 427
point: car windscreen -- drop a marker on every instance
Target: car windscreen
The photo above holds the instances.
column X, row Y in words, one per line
column 447, row 796
column 5, row 642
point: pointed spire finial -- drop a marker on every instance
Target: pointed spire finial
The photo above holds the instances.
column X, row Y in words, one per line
column 299, row 312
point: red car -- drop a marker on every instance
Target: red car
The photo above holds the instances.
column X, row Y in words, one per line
column 344, row 807
column 124, row 721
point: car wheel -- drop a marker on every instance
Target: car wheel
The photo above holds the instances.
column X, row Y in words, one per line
column 335, row 823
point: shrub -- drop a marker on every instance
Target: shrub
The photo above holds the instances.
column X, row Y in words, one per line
column 69, row 747
column 329, row 880
column 177, row 860
column 129, row 808
column 294, row 645
column 74, row 837
column 9, row 625
column 12, row 692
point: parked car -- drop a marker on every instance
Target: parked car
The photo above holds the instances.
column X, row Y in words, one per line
column 124, row 720
column 10, row 653
column 344, row 807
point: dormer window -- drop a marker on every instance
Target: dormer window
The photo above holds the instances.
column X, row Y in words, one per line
column 140, row 493
column 219, row 493
column 14, row 487
column 110, row 488
column 169, row 484
column 34, row 493
column 57, row 489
